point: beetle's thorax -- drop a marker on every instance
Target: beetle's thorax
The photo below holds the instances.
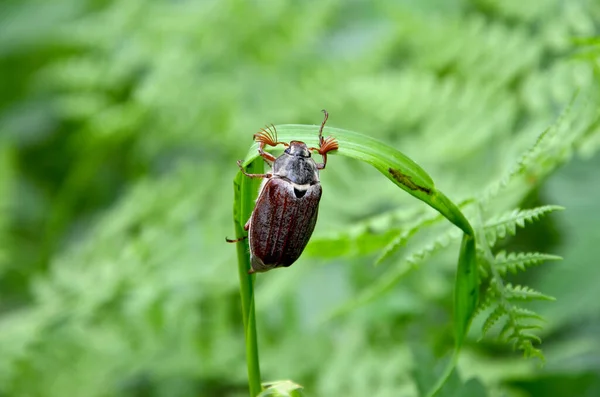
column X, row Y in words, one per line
column 296, row 165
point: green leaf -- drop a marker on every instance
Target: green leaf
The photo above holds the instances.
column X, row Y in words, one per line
column 407, row 175
column 397, row 271
column 466, row 294
column 394, row 165
column 492, row 319
column 514, row 262
column 401, row 238
column 245, row 192
column 506, row 224
column 466, row 290
column 520, row 292
column 521, row 312
column 427, row 367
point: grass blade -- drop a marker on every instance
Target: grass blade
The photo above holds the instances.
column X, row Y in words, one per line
column 393, row 164
column 410, row 177
column 245, row 191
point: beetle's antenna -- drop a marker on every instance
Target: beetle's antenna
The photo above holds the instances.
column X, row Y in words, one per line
column 268, row 136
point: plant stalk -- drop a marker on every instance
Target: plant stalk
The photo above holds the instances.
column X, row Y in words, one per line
column 245, row 190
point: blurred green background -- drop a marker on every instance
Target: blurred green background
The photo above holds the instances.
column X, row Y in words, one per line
column 120, row 125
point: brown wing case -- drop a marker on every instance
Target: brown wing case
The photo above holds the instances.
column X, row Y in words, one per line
column 282, row 223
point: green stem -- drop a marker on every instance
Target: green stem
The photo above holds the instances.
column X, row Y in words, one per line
column 245, row 191
column 247, row 295
column 465, row 301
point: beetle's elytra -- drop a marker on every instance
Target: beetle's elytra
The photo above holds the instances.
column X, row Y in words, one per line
column 288, row 201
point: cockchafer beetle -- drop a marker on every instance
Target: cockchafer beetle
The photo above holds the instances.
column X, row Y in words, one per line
column 288, row 200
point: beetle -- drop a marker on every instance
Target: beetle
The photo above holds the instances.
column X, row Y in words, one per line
column 287, row 206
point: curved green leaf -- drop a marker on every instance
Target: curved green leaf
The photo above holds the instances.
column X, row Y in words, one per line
column 410, row 177
column 396, row 166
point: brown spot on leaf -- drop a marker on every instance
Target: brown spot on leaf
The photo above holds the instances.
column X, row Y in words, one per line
column 407, row 181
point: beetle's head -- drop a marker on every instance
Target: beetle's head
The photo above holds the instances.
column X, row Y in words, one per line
column 298, row 148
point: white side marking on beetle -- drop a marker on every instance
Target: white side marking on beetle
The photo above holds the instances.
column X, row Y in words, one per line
column 301, row 187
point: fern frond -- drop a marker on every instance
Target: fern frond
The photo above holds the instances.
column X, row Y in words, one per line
column 521, row 312
column 519, row 334
column 530, row 351
column 516, row 329
column 524, row 293
column 403, row 267
column 507, row 223
column 365, row 237
column 514, row 262
column 486, row 301
column 531, row 326
column 492, row 319
column 517, row 322
column 506, row 329
column 397, row 242
column 402, row 237
column 443, row 241
column 545, row 150
column 519, row 167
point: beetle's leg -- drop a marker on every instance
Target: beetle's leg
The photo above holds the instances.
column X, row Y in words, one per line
column 269, row 158
column 325, row 144
column 251, row 271
column 267, row 136
column 323, row 126
column 235, row 240
column 239, row 163
column 329, row 144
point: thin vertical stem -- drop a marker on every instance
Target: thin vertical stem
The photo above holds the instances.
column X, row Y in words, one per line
column 248, row 313
column 245, row 190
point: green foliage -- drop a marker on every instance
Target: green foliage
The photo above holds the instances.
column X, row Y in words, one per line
column 245, row 191
column 501, row 297
column 404, row 173
column 506, row 224
column 514, row 262
column 120, row 125
column 6, row 182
